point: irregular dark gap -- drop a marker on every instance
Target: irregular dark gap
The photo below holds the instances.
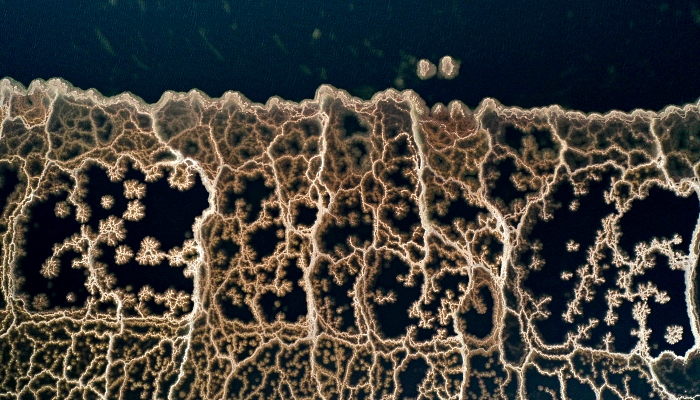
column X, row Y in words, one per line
column 98, row 185
column 44, row 230
column 234, row 388
column 492, row 244
column 638, row 158
column 311, row 127
column 480, row 325
column 400, row 150
column 85, row 125
column 639, row 386
column 491, row 121
column 412, row 376
column 587, row 220
column 170, row 213
column 624, row 341
column 105, row 128
column 338, row 294
column 292, row 147
column 169, row 217
column 553, row 330
column 106, row 306
column 356, row 374
column 34, row 167
column 491, row 367
column 386, row 278
column 513, row 344
column 661, row 214
column 543, row 137
column 13, row 129
column 271, row 383
column 46, row 383
column 69, row 280
column 357, row 150
column 265, row 131
column 352, row 126
column 451, row 282
column 264, row 242
column 459, row 208
column 133, row 173
column 671, row 313
column 577, row 390
column 554, row 234
column 155, row 308
column 513, row 137
column 490, row 385
column 305, row 215
column 512, row 290
column 228, row 247
column 160, row 277
column 293, row 304
column 386, row 364
column 511, row 389
column 267, row 304
column 475, row 388
column 232, row 312
column 549, row 365
column 393, row 318
column 397, row 178
column 70, row 152
column 189, row 146
column 535, row 382
column 54, row 124
column 405, row 224
column 575, row 160
column 253, row 195
column 423, row 334
column 597, row 308
column 98, row 116
column 503, row 188
column 144, row 121
column 8, row 183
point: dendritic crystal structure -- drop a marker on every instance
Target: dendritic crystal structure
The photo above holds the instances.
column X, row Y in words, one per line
column 338, row 248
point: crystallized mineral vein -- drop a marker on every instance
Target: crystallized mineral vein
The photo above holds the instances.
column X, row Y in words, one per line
column 344, row 249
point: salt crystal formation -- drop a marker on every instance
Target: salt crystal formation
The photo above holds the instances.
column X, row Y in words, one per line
column 344, row 249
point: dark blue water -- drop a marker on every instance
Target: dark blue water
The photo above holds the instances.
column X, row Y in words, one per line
column 593, row 55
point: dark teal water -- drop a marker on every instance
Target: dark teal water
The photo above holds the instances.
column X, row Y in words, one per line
column 594, row 55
